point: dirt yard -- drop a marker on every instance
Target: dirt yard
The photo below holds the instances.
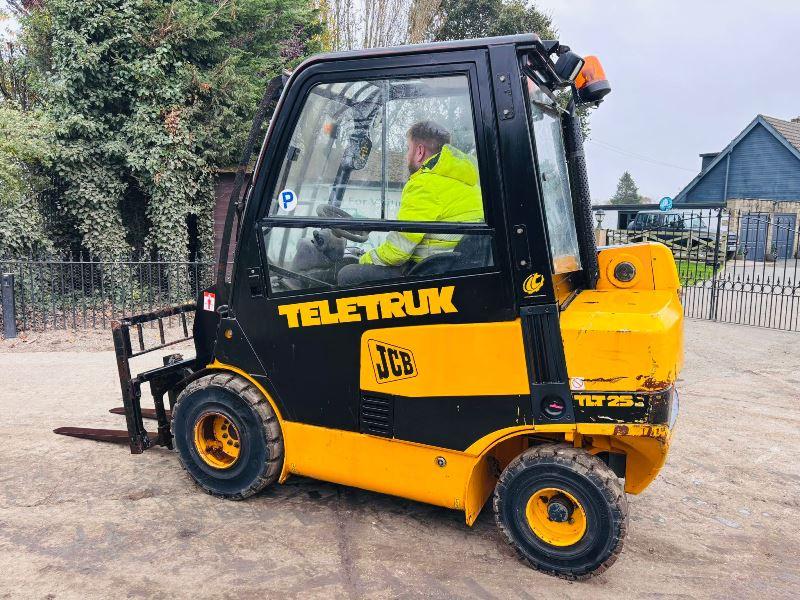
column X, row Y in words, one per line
column 81, row 519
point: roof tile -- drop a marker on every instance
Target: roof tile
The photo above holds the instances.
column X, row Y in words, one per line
column 788, row 129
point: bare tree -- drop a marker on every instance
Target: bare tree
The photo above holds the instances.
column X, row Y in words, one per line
column 23, row 7
column 11, row 80
column 354, row 24
column 342, row 23
column 421, row 15
column 386, row 22
column 14, row 73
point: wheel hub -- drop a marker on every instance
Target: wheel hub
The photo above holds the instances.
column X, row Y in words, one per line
column 559, row 509
column 556, row 517
column 216, row 440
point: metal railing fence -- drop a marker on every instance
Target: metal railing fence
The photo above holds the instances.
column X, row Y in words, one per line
column 734, row 266
column 85, row 292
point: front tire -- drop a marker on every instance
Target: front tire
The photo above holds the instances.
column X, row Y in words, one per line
column 563, row 510
column 227, row 436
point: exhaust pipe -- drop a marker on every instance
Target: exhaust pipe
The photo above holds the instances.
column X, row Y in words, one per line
column 581, row 196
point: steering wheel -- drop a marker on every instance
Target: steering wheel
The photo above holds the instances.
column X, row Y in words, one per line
column 328, row 211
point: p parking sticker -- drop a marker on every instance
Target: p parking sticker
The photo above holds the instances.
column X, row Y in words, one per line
column 287, row 201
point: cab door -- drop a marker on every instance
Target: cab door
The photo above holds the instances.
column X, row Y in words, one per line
column 546, row 270
column 431, row 341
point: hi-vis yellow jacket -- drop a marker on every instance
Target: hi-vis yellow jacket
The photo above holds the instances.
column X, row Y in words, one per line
column 444, row 189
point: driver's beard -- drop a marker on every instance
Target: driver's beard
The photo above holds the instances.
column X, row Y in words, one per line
column 412, row 168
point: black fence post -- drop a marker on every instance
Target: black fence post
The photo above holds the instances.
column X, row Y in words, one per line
column 716, row 264
column 9, row 310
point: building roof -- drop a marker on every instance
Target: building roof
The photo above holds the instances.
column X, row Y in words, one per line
column 786, row 132
column 788, row 129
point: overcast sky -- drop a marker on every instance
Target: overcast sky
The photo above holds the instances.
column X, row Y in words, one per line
column 687, row 76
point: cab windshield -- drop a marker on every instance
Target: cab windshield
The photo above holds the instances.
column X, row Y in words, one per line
column 349, row 160
column 553, row 179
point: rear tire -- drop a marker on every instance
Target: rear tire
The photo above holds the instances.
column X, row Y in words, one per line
column 563, row 511
column 227, row 436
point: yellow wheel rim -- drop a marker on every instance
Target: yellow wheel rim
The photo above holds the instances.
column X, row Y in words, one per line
column 556, row 517
column 216, row 440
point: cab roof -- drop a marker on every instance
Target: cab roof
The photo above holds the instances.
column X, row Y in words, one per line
column 522, row 39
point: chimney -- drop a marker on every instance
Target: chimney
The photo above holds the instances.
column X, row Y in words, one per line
column 707, row 158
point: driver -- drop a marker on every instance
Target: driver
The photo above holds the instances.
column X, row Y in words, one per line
column 443, row 187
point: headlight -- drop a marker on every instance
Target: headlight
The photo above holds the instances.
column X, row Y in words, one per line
column 625, row 272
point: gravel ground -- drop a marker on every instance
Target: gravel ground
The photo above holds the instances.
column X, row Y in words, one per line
column 81, row 519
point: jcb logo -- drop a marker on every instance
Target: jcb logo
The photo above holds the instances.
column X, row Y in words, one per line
column 391, row 363
column 618, row 400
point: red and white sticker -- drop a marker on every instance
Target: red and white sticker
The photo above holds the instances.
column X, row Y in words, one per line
column 209, row 300
column 577, row 383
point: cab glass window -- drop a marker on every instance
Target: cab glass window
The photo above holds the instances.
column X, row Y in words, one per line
column 373, row 152
column 554, row 180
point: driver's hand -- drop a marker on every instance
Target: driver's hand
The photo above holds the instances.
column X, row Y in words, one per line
column 356, row 251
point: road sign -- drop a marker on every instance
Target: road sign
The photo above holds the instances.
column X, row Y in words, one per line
column 665, row 203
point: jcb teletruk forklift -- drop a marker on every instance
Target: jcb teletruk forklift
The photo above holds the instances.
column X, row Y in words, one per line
column 515, row 361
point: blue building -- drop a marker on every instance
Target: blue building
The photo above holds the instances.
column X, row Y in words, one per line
column 758, row 176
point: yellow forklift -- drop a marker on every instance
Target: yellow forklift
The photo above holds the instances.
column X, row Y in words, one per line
column 416, row 305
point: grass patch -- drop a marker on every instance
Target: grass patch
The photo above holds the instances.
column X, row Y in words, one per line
column 692, row 271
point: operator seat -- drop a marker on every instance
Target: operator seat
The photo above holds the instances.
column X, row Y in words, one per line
column 471, row 252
